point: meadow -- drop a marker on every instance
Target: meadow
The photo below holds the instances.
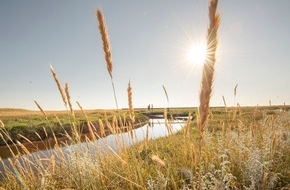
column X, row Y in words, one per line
column 56, row 123
column 245, row 148
column 217, row 148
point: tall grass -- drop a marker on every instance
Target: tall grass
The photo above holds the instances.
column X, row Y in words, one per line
column 59, row 86
column 130, row 103
column 68, row 100
column 249, row 151
column 41, row 110
column 106, row 48
column 166, row 94
column 208, row 68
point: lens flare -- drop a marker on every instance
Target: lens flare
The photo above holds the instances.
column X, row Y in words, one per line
column 196, row 54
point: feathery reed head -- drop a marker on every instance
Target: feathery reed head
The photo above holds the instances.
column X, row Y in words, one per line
column 106, row 48
column 130, row 103
column 208, row 67
column 41, row 110
column 59, row 86
column 82, row 110
column 68, row 99
column 105, row 40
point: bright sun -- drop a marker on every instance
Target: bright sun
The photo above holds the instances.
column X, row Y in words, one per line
column 196, row 54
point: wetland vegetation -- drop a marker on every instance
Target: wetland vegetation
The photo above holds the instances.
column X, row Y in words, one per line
column 216, row 148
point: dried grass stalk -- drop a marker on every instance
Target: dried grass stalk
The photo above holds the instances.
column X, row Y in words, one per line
column 41, row 110
column 208, row 67
column 53, row 164
column 89, row 124
column 193, row 155
column 1, row 124
column 58, row 120
column 24, row 149
column 167, row 124
column 68, row 100
column 235, row 90
column 82, row 110
column 105, row 40
column 59, row 86
column 158, row 161
column 102, row 128
column 186, row 129
column 166, row 94
column 130, row 104
column 225, row 104
column 235, row 94
column 147, row 135
column 106, row 48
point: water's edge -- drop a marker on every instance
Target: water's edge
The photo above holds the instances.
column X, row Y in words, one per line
column 155, row 128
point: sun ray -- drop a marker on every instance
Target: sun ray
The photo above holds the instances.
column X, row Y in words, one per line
column 197, row 53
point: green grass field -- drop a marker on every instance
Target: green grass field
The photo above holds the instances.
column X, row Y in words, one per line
column 244, row 148
column 27, row 123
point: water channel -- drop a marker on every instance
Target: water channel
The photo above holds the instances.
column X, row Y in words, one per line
column 155, row 128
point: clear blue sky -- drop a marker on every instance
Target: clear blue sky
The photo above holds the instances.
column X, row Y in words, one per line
column 149, row 40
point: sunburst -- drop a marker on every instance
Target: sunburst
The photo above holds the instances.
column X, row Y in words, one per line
column 197, row 53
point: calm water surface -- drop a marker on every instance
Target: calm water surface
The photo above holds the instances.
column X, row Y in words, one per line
column 155, row 129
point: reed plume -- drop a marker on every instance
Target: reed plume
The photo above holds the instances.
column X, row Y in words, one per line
column 41, row 110
column 165, row 91
column 208, row 67
column 106, row 47
column 102, row 129
column 130, row 104
column 105, row 40
column 68, row 100
column 89, row 124
column 82, row 110
column 59, row 86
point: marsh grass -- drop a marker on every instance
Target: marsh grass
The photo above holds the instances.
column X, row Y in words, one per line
column 130, row 102
column 208, row 68
column 107, row 50
column 245, row 147
column 59, row 86
column 249, row 153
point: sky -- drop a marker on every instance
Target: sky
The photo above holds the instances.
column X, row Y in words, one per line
column 149, row 42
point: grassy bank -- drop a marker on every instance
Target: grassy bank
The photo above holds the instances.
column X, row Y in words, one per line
column 34, row 126
column 222, row 148
column 249, row 150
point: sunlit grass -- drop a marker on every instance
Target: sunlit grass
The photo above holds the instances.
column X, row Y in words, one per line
column 242, row 148
column 251, row 150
